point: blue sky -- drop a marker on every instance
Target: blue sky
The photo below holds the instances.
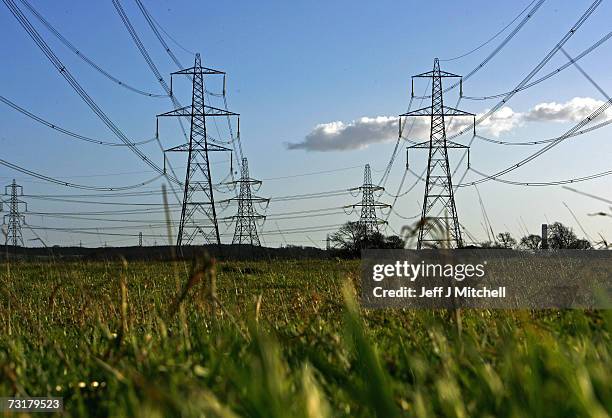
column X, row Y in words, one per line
column 292, row 66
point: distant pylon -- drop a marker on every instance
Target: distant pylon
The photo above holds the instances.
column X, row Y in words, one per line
column 140, row 239
column 198, row 196
column 13, row 221
column 246, row 217
column 368, row 220
column 439, row 208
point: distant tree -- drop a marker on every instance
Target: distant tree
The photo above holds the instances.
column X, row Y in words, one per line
column 502, row 240
column 560, row 236
column 394, row 242
column 505, row 240
column 352, row 237
column 581, row 244
column 373, row 240
column 348, row 237
column 563, row 237
column 531, row 242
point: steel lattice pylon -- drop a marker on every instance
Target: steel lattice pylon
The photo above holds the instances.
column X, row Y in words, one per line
column 439, row 208
column 198, row 196
column 247, row 217
column 14, row 220
column 368, row 220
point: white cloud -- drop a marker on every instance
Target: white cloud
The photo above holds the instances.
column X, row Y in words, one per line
column 357, row 134
column 502, row 121
column 360, row 133
column 574, row 110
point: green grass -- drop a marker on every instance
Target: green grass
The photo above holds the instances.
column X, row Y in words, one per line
column 283, row 339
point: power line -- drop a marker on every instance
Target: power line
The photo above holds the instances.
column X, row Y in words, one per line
column 320, row 228
column 57, row 63
column 66, row 131
column 583, row 18
column 107, row 212
column 544, row 141
column 309, row 196
column 547, row 76
column 74, row 185
column 143, row 51
column 170, row 36
column 53, row 199
column 491, row 38
column 546, row 148
column 540, row 184
column 525, row 80
column 80, row 54
column 499, row 47
column 312, row 173
column 149, row 20
column 98, row 195
column 575, row 133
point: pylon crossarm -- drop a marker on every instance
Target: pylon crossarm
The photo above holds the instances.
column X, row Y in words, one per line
column 257, row 199
column 424, row 144
column 255, row 216
column 245, row 181
column 183, row 111
column 198, row 71
column 252, row 199
column 446, row 111
column 451, row 111
column 424, row 111
column 430, row 74
column 451, row 144
column 186, row 111
column 185, row 148
column 215, row 111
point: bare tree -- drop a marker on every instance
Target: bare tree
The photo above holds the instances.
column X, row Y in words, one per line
column 505, row 240
column 348, row 237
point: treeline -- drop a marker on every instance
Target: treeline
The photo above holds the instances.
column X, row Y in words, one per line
column 352, row 237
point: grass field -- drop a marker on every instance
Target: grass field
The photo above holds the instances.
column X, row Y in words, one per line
column 283, row 339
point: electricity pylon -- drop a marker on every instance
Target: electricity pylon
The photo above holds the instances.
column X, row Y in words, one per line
column 439, row 210
column 198, row 196
column 369, row 221
column 246, row 217
column 13, row 221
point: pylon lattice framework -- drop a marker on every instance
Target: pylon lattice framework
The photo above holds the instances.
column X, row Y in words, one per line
column 198, row 196
column 246, row 217
column 369, row 221
column 439, row 209
column 14, row 220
